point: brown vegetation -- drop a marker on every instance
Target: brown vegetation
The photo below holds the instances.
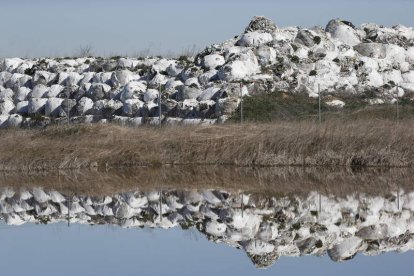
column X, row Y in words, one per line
column 334, row 143
column 262, row 181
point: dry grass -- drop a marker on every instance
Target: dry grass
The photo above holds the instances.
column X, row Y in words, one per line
column 361, row 143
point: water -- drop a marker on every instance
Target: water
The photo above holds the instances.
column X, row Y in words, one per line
column 317, row 230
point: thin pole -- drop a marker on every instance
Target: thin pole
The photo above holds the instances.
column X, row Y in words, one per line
column 68, row 115
column 241, row 103
column 159, row 106
column 398, row 108
column 319, row 99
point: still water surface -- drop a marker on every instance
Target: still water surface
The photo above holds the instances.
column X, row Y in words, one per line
column 285, row 225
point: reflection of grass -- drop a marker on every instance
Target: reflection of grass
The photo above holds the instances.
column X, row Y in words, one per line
column 336, row 142
column 280, row 181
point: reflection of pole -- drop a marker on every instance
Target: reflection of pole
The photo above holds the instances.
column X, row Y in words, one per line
column 320, row 202
column 319, row 99
column 398, row 199
column 69, row 211
column 161, row 206
column 242, row 204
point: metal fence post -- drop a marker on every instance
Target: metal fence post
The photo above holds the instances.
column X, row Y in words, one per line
column 159, row 106
column 398, row 107
column 68, row 106
column 241, row 102
column 319, row 100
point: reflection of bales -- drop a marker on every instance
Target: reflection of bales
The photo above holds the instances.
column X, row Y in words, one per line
column 265, row 226
column 276, row 181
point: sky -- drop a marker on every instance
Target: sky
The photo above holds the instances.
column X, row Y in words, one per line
column 101, row 250
column 38, row 28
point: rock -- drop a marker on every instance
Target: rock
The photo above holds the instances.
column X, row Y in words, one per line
column 375, row 79
column 10, row 64
column 215, row 228
column 6, row 107
column 53, row 107
column 185, row 92
column 174, row 70
column 6, row 94
column 87, row 78
column 22, row 94
column 43, row 77
column 127, row 63
column 132, row 107
column 54, row 91
column 208, row 94
column 254, row 39
column 4, row 77
column 343, row 31
column 336, row 103
column 84, row 105
column 106, row 108
column 207, row 77
column 259, row 248
column 226, row 106
column 192, row 82
column 266, row 55
column 345, row 250
column 123, row 211
column 121, row 77
column 213, row 61
column 306, row 38
column 392, row 76
column 39, row 91
column 396, row 55
column 56, row 197
column 157, row 81
column 40, row 196
column 150, row 95
column 408, row 77
column 261, row 24
column 132, row 90
column 102, row 78
column 14, row 121
column 407, row 87
column 22, row 107
column 372, row 50
column 3, row 121
column 98, row 91
column 161, row 65
column 69, row 78
column 37, row 106
column 409, row 56
column 241, row 66
column 373, row 232
column 171, row 85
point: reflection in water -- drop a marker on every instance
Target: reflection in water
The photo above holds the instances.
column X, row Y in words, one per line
column 265, row 227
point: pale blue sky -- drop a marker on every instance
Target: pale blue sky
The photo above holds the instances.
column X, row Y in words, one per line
column 120, row 27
